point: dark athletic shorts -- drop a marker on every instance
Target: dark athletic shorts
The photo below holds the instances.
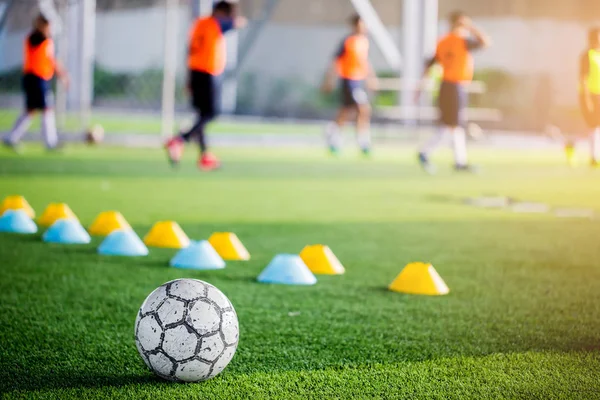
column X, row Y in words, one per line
column 38, row 94
column 592, row 117
column 452, row 103
column 206, row 93
column 353, row 93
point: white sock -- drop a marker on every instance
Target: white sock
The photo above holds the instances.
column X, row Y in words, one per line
column 49, row 129
column 459, row 144
column 19, row 129
column 596, row 144
column 333, row 135
column 434, row 141
column 364, row 139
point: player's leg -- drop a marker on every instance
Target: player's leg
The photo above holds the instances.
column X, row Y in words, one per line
column 175, row 146
column 333, row 131
column 210, row 111
column 23, row 122
column 445, row 102
column 457, row 119
column 595, row 134
column 459, row 147
column 49, row 132
column 18, row 130
column 363, row 117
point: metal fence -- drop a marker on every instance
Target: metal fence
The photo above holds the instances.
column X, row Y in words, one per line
column 127, row 60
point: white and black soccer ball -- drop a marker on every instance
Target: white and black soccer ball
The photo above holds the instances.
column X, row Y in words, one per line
column 94, row 135
column 187, row 331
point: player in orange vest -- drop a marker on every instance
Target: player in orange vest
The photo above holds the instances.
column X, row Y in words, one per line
column 39, row 67
column 453, row 53
column 352, row 65
column 206, row 63
column 589, row 85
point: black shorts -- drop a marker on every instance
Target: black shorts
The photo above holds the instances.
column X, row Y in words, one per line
column 452, row 102
column 353, row 93
column 38, row 94
column 591, row 116
column 206, row 93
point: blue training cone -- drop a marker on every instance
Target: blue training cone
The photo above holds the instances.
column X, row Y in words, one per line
column 198, row 255
column 123, row 243
column 67, row 231
column 287, row 269
column 17, row 221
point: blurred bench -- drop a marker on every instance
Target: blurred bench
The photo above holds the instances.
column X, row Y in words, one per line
column 430, row 113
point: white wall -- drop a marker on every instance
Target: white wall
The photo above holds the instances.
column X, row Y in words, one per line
column 132, row 40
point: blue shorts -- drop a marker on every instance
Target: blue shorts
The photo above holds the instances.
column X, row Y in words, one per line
column 353, row 93
column 591, row 116
column 38, row 93
column 452, row 103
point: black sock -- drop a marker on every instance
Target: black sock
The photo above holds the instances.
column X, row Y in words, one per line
column 201, row 139
column 187, row 136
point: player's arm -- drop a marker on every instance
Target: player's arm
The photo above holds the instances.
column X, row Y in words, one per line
column 331, row 74
column 584, row 72
column 59, row 69
column 480, row 40
column 425, row 78
column 61, row 73
column 240, row 22
column 372, row 80
column 329, row 80
column 195, row 42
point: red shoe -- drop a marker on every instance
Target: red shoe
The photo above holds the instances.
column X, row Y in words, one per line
column 208, row 162
column 174, row 149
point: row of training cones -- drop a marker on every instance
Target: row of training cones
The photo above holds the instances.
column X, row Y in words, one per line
column 16, row 216
column 120, row 238
column 165, row 234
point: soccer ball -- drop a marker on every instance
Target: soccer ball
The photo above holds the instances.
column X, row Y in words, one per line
column 186, row 331
column 94, row 135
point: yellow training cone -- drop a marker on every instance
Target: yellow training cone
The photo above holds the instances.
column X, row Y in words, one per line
column 167, row 234
column 16, row 203
column 54, row 212
column 321, row 260
column 107, row 222
column 229, row 246
column 419, row 278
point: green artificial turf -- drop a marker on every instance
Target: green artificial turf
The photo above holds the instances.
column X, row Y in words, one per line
column 522, row 319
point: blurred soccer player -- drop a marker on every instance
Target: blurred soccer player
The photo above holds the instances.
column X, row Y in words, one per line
column 589, row 80
column 352, row 65
column 453, row 53
column 39, row 68
column 206, row 63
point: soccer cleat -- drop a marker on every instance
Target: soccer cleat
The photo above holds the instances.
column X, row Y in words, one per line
column 208, row 162
column 364, row 142
column 11, row 146
column 466, row 168
column 425, row 164
column 57, row 148
column 333, row 139
column 174, row 149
